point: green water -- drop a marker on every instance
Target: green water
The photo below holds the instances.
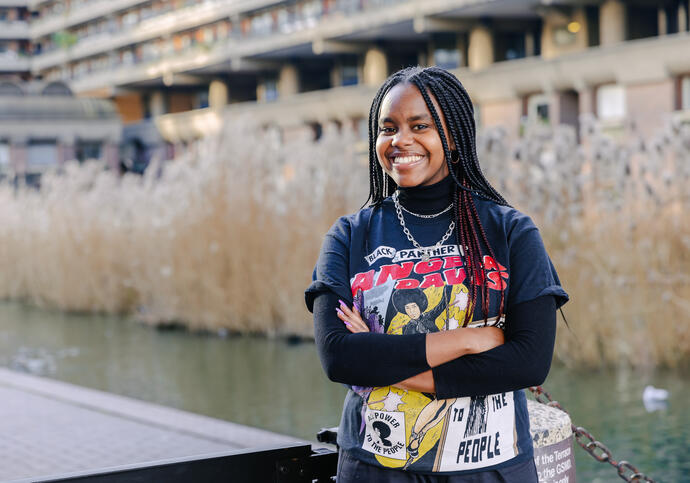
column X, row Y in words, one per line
column 280, row 386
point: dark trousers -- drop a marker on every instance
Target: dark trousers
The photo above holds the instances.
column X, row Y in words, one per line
column 353, row 470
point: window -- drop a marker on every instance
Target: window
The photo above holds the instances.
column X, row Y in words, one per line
column 685, row 93
column 642, row 21
column 200, row 100
column 88, row 150
column 349, row 72
column 4, row 156
column 41, row 154
column 270, row 90
column 446, row 53
column 509, row 45
column 538, row 109
column 611, row 102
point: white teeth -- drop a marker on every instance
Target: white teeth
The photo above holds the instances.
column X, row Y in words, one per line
column 407, row 159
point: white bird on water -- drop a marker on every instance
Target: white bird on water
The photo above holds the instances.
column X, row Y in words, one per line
column 654, row 398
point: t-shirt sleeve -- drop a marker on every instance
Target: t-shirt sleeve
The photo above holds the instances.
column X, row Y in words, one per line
column 332, row 267
column 531, row 273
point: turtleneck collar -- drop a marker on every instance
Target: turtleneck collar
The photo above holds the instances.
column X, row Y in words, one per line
column 429, row 199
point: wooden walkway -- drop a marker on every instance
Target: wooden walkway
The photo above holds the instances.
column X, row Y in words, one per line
column 53, row 428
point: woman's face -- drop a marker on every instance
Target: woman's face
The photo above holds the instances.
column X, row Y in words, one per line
column 412, row 310
column 408, row 146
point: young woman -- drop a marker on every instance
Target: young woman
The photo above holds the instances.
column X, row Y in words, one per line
column 436, row 304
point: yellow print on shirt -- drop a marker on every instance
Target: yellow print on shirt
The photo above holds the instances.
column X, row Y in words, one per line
column 430, row 310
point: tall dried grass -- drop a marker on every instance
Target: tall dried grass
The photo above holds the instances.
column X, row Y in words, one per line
column 615, row 217
column 225, row 237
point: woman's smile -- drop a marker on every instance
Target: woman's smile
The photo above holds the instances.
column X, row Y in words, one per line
column 406, row 161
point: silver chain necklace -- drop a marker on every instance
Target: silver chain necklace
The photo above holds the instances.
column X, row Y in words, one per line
column 426, row 252
column 434, row 215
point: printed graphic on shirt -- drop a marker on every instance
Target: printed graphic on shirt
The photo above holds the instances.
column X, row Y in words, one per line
column 478, row 432
column 416, row 296
column 385, row 433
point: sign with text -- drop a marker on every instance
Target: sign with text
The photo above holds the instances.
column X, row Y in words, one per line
column 556, row 462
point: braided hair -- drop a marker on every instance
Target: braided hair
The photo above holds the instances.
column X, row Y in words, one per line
column 463, row 165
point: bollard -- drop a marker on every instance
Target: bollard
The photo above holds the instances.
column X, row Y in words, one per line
column 552, row 436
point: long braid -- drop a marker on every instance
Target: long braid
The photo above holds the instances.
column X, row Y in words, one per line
column 456, row 107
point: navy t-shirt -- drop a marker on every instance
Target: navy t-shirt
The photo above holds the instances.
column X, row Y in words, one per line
column 366, row 256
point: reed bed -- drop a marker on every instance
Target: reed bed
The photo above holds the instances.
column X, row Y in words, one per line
column 225, row 237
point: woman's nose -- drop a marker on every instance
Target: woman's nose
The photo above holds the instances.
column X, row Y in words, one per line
column 402, row 138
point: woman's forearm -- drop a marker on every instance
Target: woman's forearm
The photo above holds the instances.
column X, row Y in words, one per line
column 366, row 359
column 442, row 347
column 423, row 382
column 524, row 360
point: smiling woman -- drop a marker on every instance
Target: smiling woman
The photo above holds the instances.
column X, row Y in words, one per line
column 435, row 304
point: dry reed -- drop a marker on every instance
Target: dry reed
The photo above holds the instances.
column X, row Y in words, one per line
column 225, row 237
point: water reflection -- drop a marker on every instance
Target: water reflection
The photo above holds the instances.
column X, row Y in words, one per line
column 279, row 386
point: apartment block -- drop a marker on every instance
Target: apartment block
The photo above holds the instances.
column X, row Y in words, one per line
column 174, row 67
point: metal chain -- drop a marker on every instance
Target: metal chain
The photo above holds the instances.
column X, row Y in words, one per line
column 434, row 215
column 425, row 251
column 596, row 449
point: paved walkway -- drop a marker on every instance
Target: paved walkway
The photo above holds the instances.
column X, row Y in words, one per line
column 51, row 428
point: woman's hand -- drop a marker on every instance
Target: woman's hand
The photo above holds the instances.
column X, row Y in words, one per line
column 351, row 318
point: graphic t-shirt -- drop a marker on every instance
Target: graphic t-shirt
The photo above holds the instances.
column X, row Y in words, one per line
column 399, row 291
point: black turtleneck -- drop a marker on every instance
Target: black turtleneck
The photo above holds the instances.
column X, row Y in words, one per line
column 430, row 199
column 366, row 359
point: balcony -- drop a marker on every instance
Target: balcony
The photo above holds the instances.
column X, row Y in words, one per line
column 14, row 30
column 81, row 13
column 364, row 23
column 11, row 61
column 504, row 80
column 340, row 103
column 151, row 28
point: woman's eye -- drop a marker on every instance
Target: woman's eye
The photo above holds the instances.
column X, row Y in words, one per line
column 387, row 130
column 419, row 127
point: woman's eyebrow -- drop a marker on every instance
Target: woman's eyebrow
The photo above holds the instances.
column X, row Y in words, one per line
column 416, row 117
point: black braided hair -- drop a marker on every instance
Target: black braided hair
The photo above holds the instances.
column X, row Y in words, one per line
column 463, row 165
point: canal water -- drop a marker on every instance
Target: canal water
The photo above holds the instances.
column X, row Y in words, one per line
column 279, row 386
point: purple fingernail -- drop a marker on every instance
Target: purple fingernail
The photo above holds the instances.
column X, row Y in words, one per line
column 339, row 311
column 347, row 323
column 342, row 303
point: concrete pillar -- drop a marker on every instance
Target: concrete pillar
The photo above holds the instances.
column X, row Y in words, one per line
column 19, row 153
column 111, row 155
column 66, row 150
column 375, row 67
column 336, row 77
column 529, row 44
column 157, row 104
column 586, row 100
column 663, row 21
column 288, row 81
column 217, row 94
column 462, row 48
column 481, row 49
column 612, row 22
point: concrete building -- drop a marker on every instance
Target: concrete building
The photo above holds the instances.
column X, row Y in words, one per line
column 173, row 67
column 43, row 125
